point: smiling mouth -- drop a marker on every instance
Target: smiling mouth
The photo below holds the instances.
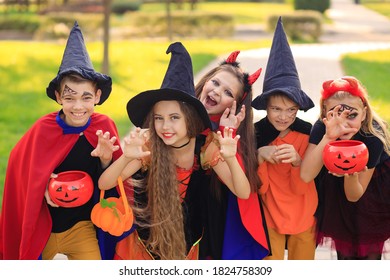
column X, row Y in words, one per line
column 344, row 168
column 167, row 135
column 67, row 201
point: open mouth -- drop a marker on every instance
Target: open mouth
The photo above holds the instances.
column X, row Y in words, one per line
column 210, row 101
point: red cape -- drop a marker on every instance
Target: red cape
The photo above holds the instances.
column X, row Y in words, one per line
column 25, row 222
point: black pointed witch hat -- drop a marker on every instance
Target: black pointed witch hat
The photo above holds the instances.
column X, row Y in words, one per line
column 178, row 84
column 76, row 60
column 281, row 74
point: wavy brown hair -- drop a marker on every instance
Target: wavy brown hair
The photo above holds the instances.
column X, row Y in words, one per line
column 163, row 214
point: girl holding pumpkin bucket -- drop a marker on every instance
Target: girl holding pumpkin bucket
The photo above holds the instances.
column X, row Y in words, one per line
column 234, row 227
column 170, row 215
column 354, row 210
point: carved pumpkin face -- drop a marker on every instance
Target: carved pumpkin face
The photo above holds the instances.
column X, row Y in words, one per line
column 71, row 188
column 345, row 156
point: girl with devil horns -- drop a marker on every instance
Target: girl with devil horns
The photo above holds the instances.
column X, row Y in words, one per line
column 354, row 210
column 234, row 227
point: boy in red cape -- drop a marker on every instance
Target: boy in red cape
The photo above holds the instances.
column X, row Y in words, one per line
column 71, row 139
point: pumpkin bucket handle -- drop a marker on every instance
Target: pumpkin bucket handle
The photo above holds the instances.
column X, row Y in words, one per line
column 122, row 194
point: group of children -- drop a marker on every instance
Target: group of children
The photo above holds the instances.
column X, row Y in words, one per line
column 203, row 180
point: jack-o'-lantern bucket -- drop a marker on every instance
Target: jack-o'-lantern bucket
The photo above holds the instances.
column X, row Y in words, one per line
column 71, row 188
column 345, row 156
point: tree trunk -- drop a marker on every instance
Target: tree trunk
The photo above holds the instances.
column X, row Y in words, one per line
column 106, row 37
column 169, row 19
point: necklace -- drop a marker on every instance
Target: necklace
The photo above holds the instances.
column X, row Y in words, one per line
column 182, row 145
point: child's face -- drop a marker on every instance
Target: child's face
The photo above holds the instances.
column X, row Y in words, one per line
column 170, row 123
column 356, row 112
column 281, row 112
column 219, row 92
column 78, row 102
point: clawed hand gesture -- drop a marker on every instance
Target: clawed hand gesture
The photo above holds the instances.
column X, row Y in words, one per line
column 335, row 123
column 229, row 117
column 105, row 147
column 134, row 143
column 228, row 144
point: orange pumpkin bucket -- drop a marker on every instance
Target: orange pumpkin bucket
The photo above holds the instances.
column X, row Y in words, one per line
column 113, row 215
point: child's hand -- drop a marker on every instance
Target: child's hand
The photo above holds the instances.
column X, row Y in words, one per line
column 228, row 143
column 286, row 153
column 267, row 153
column 134, row 143
column 336, row 123
column 47, row 196
column 105, row 147
column 229, row 119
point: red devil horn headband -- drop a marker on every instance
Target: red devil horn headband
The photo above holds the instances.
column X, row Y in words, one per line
column 232, row 59
column 253, row 78
column 249, row 81
column 347, row 84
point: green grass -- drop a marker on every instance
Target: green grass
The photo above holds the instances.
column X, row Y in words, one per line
column 382, row 8
column 373, row 69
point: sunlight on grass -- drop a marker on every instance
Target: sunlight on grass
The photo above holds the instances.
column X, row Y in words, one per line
column 382, row 8
column 373, row 69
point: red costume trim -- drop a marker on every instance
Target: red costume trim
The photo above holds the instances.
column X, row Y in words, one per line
column 25, row 222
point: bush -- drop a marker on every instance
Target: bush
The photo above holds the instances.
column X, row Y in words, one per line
column 184, row 24
column 17, row 22
column 315, row 5
column 301, row 25
column 121, row 7
column 58, row 25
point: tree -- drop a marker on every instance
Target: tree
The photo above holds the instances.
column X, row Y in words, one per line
column 106, row 36
column 169, row 19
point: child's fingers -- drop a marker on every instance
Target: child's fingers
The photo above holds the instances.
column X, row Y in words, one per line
column 234, row 107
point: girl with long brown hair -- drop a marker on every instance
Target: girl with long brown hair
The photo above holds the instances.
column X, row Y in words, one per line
column 164, row 158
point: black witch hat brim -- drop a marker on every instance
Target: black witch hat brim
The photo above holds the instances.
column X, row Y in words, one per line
column 77, row 61
column 104, row 82
column 293, row 93
column 139, row 106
